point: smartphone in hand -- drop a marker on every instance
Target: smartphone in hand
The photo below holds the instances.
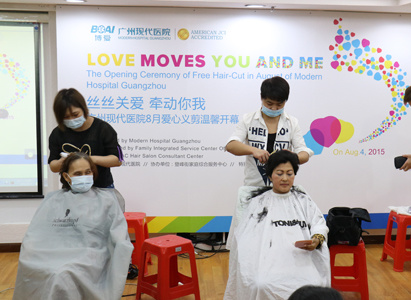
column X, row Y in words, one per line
column 399, row 161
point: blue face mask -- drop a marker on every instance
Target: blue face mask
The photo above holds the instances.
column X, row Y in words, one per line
column 75, row 123
column 81, row 184
column 271, row 113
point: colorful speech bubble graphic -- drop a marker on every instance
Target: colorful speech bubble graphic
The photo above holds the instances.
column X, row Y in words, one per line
column 327, row 131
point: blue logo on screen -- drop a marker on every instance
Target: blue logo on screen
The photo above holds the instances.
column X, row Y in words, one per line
column 102, row 29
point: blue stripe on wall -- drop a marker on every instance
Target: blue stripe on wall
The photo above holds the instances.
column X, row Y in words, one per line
column 19, row 160
column 378, row 221
column 217, row 224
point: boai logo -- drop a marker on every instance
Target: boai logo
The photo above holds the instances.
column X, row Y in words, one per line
column 102, row 29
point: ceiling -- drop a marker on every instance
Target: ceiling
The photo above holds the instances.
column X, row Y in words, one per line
column 388, row 6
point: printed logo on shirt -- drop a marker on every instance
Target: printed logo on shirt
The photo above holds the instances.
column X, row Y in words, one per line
column 257, row 144
column 70, row 148
column 279, row 145
column 295, row 222
column 257, row 131
column 66, row 221
column 283, row 131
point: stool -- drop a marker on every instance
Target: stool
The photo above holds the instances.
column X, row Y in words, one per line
column 136, row 222
column 170, row 283
column 358, row 270
column 397, row 248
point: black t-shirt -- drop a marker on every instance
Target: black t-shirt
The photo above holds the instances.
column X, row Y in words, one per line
column 101, row 138
column 270, row 142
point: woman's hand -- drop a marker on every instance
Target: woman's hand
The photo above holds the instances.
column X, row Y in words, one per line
column 107, row 161
column 407, row 165
column 239, row 148
column 313, row 245
column 55, row 165
column 261, row 155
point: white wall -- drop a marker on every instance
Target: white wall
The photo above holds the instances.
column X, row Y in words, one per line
column 15, row 215
column 351, row 97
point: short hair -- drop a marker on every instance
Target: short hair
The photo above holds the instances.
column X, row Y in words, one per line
column 311, row 292
column 67, row 163
column 65, row 99
column 281, row 157
column 275, row 88
column 407, row 95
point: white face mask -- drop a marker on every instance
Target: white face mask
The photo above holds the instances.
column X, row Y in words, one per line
column 81, row 184
column 271, row 113
column 75, row 123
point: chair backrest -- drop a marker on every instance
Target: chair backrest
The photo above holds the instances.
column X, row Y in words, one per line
column 120, row 200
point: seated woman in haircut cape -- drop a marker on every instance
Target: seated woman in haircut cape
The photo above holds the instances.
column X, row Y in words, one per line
column 77, row 244
column 265, row 260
